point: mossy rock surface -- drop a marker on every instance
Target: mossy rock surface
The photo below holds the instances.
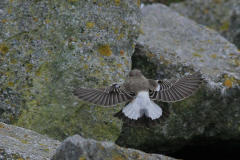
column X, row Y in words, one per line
column 50, row 47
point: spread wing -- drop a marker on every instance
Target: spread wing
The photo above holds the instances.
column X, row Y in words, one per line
column 108, row 96
column 176, row 89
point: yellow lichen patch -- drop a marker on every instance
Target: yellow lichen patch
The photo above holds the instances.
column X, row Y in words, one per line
column 29, row 52
column 30, row 66
column 122, row 52
column 117, row 2
column 82, row 158
column 201, row 49
column 151, row 55
column 2, row 125
column 20, row 159
column 80, row 45
column 4, row 21
column 46, row 149
column 37, row 73
column 4, row 49
column 226, row 47
column 237, row 62
column 206, row 10
column 197, row 55
column 225, row 26
column 116, row 31
column 228, row 83
column 105, row 50
column 117, row 158
column 121, row 35
column 214, row 56
column 47, row 21
column 35, row 19
column 138, row 3
column 25, row 142
column 10, row 0
column 119, row 65
column 88, row 43
column 127, row 63
column 141, row 31
column 13, row 61
column 40, row 144
column 9, row 11
column 72, row 0
column 232, row 54
column 10, row 84
column 7, row 102
column 217, row 1
column 85, row 66
column 133, row 46
column 101, row 59
column 89, row 25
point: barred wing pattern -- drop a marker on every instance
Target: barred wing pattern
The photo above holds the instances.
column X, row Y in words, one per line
column 104, row 96
column 177, row 89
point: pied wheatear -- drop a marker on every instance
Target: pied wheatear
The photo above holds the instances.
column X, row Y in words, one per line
column 141, row 92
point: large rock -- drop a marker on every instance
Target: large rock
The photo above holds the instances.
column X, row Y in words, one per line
column 19, row 143
column 49, row 47
column 222, row 16
column 76, row 147
column 178, row 46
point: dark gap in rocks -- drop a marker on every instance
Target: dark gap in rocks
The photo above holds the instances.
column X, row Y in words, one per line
column 209, row 149
column 236, row 41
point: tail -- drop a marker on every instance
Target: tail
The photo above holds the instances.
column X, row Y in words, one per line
column 144, row 120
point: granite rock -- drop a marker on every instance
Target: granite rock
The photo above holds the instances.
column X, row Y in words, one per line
column 19, row 143
column 76, row 147
column 222, row 16
column 50, row 47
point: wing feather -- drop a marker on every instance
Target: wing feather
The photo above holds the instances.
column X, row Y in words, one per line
column 108, row 96
column 176, row 89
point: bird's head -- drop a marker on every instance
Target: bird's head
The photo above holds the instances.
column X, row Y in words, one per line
column 135, row 73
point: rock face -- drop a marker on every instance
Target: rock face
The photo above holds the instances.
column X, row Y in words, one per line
column 222, row 16
column 206, row 49
column 19, row 143
column 178, row 46
column 47, row 48
column 76, row 147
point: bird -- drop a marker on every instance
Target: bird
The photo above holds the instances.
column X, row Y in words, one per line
column 140, row 93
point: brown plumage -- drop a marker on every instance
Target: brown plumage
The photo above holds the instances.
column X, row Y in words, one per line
column 142, row 111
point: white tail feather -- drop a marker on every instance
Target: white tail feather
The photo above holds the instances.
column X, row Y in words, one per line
column 142, row 104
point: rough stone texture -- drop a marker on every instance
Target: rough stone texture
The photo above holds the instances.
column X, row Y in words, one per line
column 221, row 15
column 206, row 49
column 76, row 148
column 19, row 143
column 49, row 47
column 178, row 46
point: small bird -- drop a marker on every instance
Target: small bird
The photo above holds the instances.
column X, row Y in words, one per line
column 141, row 93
